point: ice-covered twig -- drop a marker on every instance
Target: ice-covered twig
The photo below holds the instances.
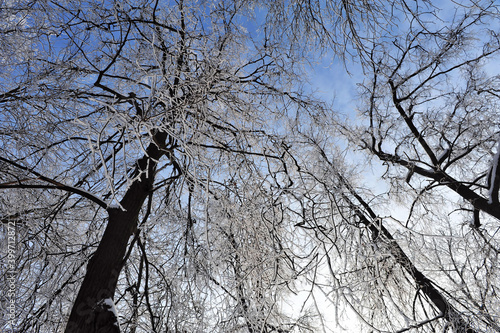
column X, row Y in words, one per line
column 54, row 184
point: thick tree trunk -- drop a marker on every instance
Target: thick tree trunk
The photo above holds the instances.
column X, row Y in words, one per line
column 90, row 313
column 102, row 275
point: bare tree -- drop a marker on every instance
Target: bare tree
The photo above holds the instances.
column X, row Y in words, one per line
column 426, row 249
column 162, row 162
column 118, row 132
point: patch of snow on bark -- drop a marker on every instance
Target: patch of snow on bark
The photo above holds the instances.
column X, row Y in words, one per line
column 110, row 305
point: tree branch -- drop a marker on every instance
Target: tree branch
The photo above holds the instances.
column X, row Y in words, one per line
column 54, row 184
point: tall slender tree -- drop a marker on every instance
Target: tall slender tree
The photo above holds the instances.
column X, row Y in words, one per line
column 422, row 254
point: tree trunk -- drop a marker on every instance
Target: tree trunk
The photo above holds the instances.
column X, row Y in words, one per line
column 102, row 274
column 89, row 313
column 457, row 321
column 448, row 312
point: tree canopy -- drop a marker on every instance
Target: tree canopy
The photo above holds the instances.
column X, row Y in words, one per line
column 168, row 166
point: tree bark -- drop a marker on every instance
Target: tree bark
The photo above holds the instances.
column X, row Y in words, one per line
column 88, row 314
column 102, row 274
